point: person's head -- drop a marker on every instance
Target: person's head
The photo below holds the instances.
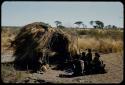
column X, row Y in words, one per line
column 83, row 53
column 89, row 50
column 97, row 55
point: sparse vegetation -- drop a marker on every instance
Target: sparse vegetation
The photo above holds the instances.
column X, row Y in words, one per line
column 104, row 45
column 115, row 34
column 7, row 35
column 100, row 40
column 104, row 40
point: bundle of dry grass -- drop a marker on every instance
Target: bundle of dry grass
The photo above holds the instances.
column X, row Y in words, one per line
column 103, row 45
column 36, row 42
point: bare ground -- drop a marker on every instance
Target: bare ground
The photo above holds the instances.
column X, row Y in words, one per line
column 114, row 67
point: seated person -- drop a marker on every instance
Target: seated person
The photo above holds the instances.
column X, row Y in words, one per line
column 87, row 61
column 83, row 56
column 78, row 67
column 97, row 64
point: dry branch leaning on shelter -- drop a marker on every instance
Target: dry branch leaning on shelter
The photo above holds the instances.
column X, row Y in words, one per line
column 37, row 42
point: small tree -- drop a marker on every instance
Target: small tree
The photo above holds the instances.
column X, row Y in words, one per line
column 61, row 26
column 84, row 26
column 78, row 23
column 114, row 27
column 92, row 23
column 58, row 23
column 99, row 24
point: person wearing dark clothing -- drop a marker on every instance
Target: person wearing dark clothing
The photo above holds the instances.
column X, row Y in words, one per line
column 89, row 56
column 63, row 58
column 83, row 56
column 78, row 67
column 87, row 62
column 97, row 64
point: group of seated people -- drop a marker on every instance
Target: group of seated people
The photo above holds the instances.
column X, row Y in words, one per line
column 86, row 65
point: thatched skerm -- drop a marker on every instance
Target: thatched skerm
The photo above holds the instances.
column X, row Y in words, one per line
column 37, row 42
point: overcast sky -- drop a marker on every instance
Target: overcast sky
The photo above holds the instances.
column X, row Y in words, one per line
column 22, row 13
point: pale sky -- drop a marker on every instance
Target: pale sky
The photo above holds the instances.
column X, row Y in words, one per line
column 20, row 13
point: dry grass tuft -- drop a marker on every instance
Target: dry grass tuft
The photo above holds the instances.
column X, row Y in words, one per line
column 105, row 45
column 7, row 35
